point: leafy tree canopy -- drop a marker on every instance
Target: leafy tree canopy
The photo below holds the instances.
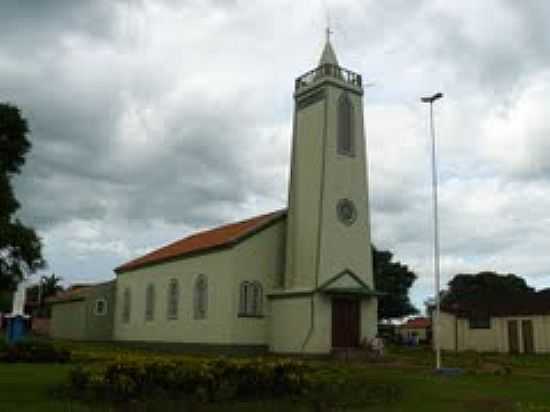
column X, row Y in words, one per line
column 20, row 247
column 394, row 279
column 475, row 286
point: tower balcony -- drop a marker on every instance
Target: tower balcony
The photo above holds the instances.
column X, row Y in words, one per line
column 326, row 71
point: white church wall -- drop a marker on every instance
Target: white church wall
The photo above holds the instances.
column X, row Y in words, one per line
column 304, row 207
column 369, row 319
column 345, row 178
column 260, row 258
column 287, row 320
column 215, row 328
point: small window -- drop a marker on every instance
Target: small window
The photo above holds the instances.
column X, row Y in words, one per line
column 345, row 139
column 150, row 303
column 480, row 322
column 201, row 297
column 250, row 299
column 173, row 299
column 126, row 306
column 100, row 307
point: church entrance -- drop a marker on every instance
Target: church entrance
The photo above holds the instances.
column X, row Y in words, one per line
column 345, row 323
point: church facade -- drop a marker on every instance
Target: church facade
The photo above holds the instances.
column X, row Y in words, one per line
column 293, row 281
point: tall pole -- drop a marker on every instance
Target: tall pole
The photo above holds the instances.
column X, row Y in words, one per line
column 436, row 263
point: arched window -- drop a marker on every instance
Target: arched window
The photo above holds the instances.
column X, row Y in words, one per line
column 257, row 299
column 126, row 305
column 150, row 302
column 100, row 307
column 200, row 297
column 250, row 299
column 345, row 140
column 173, row 299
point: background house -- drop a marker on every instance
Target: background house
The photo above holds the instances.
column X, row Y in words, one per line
column 419, row 327
column 513, row 323
column 83, row 312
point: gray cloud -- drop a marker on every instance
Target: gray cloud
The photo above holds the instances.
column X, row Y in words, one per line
column 150, row 121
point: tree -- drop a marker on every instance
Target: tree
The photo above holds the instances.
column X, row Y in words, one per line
column 20, row 246
column 394, row 279
column 475, row 287
column 51, row 285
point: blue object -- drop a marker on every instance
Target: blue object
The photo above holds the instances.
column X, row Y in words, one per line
column 16, row 329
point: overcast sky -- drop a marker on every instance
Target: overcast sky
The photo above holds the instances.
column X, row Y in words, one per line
column 151, row 120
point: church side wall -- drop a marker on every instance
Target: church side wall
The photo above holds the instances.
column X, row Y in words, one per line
column 100, row 327
column 68, row 320
column 259, row 258
column 215, row 329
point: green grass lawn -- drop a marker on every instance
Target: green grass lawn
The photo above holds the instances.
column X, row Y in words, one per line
column 32, row 387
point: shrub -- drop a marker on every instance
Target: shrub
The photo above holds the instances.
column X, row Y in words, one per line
column 34, row 351
column 208, row 380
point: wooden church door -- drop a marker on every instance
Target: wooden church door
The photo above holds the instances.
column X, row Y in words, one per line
column 345, row 323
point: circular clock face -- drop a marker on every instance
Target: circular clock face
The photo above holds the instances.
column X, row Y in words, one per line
column 345, row 209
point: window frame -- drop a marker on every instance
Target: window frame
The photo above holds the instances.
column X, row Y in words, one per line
column 200, row 298
column 126, row 305
column 105, row 306
column 150, row 302
column 345, row 136
column 250, row 299
column 172, row 302
column 479, row 322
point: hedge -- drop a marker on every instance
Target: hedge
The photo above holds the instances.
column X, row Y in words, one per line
column 208, row 380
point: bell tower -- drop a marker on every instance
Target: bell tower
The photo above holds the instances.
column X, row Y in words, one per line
column 328, row 230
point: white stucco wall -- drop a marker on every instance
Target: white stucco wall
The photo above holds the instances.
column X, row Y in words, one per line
column 457, row 335
column 257, row 258
column 304, row 196
column 291, row 326
column 216, row 328
column 260, row 258
column 345, row 177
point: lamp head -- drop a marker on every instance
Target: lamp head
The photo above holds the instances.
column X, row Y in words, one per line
column 431, row 99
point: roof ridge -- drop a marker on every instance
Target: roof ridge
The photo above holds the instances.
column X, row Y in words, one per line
column 218, row 238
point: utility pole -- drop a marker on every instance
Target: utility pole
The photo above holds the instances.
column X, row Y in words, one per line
column 431, row 100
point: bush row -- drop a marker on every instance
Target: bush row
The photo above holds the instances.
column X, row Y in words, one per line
column 208, row 380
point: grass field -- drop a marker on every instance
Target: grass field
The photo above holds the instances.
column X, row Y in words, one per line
column 491, row 383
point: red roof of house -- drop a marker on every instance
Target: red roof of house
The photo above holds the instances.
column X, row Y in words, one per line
column 73, row 293
column 223, row 236
column 417, row 323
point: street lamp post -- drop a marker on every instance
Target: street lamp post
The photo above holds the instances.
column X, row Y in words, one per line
column 431, row 100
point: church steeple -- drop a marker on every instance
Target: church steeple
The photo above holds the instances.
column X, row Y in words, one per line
column 328, row 56
column 328, row 216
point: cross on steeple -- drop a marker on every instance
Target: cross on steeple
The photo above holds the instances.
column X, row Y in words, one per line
column 328, row 56
column 328, row 32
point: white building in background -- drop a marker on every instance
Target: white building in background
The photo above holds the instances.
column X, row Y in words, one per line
column 292, row 281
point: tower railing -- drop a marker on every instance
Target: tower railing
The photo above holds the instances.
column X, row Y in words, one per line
column 328, row 70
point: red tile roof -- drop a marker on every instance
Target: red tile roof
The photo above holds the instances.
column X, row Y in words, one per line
column 417, row 323
column 71, row 294
column 223, row 236
column 74, row 292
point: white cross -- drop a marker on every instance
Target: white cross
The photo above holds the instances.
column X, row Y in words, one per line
column 328, row 32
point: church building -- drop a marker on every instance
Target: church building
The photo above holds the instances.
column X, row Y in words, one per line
column 297, row 280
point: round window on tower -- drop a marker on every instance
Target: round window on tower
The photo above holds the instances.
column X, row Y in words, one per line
column 345, row 209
